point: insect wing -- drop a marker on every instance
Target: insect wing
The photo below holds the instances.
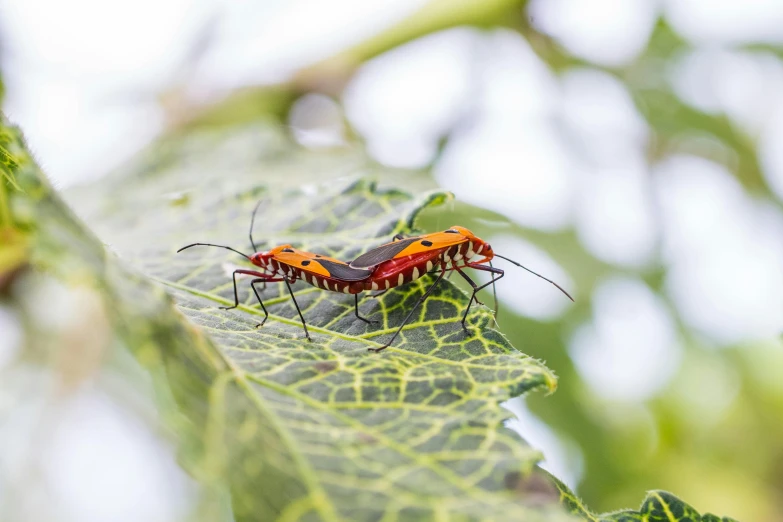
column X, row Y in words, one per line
column 302, row 260
column 378, row 255
column 432, row 242
column 321, row 265
column 408, row 247
column 344, row 272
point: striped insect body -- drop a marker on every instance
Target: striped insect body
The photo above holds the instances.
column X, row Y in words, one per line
column 286, row 264
column 407, row 259
column 402, row 261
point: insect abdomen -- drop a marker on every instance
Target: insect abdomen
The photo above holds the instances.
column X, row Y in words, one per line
column 333, row 285
column 397, row 272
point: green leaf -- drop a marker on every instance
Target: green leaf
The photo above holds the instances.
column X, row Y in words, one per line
column 662, row 506
column 659, row 506
column 296, row 430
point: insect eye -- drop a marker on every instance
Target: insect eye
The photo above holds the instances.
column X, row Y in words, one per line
column 489, row 247
column 289, row 250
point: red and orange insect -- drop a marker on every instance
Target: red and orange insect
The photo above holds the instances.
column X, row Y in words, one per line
column 406, row 259
column 393, row 264
column 287, row 264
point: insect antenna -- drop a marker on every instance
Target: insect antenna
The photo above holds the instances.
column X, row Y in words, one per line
column 539, row 275
column 218, row 246
column 495, row 295
column 252, row 222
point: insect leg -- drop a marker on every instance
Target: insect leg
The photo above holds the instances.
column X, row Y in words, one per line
column 495, row 295
column 420, row 301
column 234, row 277
column 356, row 310
column 304, row 324
column 236, row 295
column 255, row 291
column 472, row 297
column 470, row 282
column 497, row 271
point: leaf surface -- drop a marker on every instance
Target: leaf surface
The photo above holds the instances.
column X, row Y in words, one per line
column 322, row 430
column 301, row 431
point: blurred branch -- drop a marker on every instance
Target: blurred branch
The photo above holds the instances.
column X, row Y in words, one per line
column 330, row 75
column 435, row 16
column 776, row 50
column 244, row 106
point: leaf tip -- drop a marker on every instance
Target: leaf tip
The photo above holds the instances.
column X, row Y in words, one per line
column 550, row 379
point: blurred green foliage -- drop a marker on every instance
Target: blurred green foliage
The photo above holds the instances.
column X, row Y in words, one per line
column 731, row 464
column 323, row 429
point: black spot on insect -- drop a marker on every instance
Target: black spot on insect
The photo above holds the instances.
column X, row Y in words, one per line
column 305, row 263
column 451, row 231
column 288, row 250
column 318, row 255
column 426, row 243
